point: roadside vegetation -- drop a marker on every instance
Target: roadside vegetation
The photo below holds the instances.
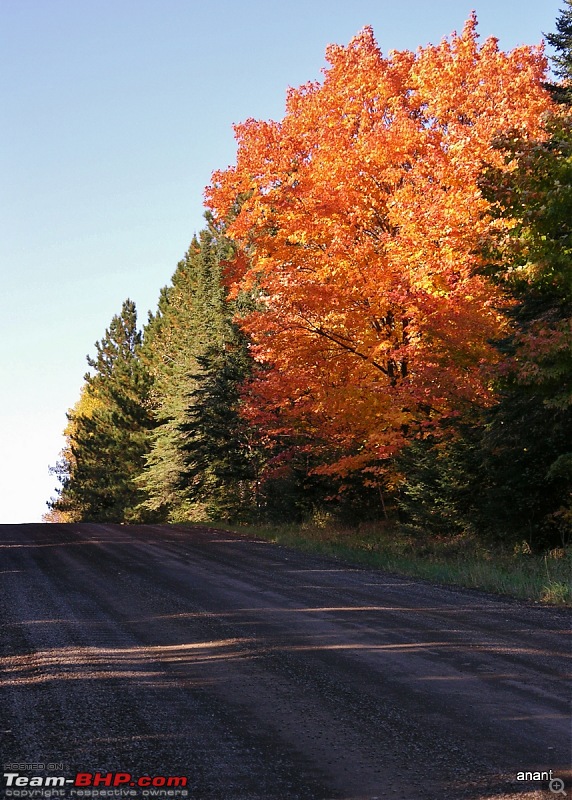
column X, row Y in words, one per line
column 464, row 560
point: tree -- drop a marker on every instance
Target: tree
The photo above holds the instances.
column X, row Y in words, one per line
column 108, row 429
column 357, row 221
column 172, row 338
column 198, row 359
column 561, row 41
column 509, row 474
column 527, row 445
column 222, row 457
column 67, row 507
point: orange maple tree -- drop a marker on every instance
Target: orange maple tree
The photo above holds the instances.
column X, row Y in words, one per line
column 357, row 220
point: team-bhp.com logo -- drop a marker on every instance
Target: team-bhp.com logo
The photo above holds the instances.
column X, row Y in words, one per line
column 94, row 780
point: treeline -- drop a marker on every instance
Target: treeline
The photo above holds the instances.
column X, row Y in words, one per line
column 375, row 322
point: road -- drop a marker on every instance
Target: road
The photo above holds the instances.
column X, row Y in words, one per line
column 259, row 673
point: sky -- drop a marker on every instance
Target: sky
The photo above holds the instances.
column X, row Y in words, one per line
column 115, row 113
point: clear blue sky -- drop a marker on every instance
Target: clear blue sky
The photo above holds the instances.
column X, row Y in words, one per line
column 114, row 115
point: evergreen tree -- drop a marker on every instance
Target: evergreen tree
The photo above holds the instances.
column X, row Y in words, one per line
column 527, row 442
column 561, row 41
column 67, row 507
column 170, row 340
column 222, row 458
column 440, row 493
column 108, row 431
column 193, row 321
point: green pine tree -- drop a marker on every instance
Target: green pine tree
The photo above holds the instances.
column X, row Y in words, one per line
column 561, row 41
column 193, row 320
column 527, row 443
column 108, row 431
column 221, row 454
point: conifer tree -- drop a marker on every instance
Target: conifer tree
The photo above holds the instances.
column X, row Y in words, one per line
column 222, row 458
column 528, row 438
column 527, row 443
column 170, row 340
column 561, row 41
column 193, row 321
column 67, row 507
column 107, row 435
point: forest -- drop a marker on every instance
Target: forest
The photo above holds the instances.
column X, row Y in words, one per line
column 375, row 322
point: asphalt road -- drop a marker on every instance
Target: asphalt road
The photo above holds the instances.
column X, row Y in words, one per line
column 259, row 673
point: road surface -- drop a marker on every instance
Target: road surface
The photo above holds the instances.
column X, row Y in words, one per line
column 259, row 673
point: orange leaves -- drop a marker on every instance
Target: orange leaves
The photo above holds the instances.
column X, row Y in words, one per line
column 358, row 219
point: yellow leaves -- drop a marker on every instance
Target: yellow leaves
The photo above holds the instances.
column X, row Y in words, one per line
column 86, row 406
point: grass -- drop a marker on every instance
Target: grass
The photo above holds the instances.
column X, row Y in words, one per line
column 463, row 560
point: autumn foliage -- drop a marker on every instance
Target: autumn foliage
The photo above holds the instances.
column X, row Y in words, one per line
column 358, row 223
column 375, row 321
